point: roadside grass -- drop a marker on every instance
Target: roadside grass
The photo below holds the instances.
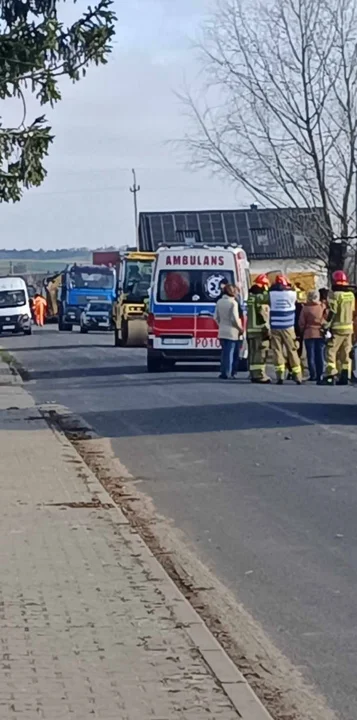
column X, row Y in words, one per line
column 15, row 366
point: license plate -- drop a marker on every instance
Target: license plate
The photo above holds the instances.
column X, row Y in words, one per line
column 208, row 343
column 8, row 327
column 175, row 341
column 105, row 324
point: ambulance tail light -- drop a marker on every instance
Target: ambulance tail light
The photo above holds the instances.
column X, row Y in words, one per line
column 150, row 320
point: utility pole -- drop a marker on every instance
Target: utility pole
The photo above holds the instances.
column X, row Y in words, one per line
column 135, row 189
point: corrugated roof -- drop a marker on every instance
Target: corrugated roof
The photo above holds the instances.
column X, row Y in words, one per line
column 263, row 233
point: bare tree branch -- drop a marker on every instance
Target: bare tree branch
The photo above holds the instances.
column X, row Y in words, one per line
column 282, row 122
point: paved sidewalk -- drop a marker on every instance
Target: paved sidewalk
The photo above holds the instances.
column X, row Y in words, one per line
column 91, row 626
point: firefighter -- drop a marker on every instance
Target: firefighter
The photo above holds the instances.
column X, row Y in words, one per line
column 282, row 302
column 258, row 329
column 341, row 306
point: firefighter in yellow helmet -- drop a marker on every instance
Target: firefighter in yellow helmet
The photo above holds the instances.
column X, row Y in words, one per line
column 258, row 329
column 341, row 306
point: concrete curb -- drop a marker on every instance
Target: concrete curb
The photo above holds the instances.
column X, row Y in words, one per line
column 9, row 375
column 242, row 697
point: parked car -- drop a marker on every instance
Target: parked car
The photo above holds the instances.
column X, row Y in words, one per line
column 15, row 312
column 97, row 315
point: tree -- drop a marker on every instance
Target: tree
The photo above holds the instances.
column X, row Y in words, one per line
column 36, row 50
column 282, row 123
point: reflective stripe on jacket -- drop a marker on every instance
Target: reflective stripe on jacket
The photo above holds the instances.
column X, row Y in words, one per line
column 342, row 305
column 282, row 309
column 258, row 313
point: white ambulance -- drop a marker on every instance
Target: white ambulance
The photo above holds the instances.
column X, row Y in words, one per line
column 185, row 288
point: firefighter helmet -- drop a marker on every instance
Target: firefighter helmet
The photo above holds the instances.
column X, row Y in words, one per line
column 262, row 281
column 282, row 280
column 340, row 278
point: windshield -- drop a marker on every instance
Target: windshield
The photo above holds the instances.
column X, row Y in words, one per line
column 92, row 277
column 191, row 285
column 138, row 277
column 12, row 298
column 99, row 307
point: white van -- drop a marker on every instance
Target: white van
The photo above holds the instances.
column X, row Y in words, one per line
column 15, row 312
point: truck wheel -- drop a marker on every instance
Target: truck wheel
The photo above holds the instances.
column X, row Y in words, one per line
column 63, row 326
column 153, row 363
column 28, row 331
column 169, row 365
column 117, row 339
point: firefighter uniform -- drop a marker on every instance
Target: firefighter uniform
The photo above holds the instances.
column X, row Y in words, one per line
column 282, row 301
column 258, row 330
column 340, row 322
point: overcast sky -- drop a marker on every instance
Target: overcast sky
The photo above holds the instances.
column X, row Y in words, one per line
column 120, row 116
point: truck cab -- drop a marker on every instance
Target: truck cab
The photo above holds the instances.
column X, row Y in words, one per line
column 186, row 285
column 80, row 285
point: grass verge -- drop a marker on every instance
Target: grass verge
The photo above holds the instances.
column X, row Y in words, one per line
column 14, row 365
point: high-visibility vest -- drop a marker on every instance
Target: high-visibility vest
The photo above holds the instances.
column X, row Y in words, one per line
column 258, row 313
column 282, row 309
column 301, row 296
column 342, row 305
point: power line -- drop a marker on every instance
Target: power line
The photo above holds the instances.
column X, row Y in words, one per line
column 115, row 188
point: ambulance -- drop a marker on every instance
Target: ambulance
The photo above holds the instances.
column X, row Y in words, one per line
column 185, row 287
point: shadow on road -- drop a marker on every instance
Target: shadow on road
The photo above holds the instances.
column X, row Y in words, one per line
column 40, row 348
column 187, row 420
column 110, row 370
column 85, row 372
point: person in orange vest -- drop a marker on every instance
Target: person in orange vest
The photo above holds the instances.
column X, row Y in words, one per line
column 40, row 307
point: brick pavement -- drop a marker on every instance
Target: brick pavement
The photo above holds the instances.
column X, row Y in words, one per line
column 88, row 618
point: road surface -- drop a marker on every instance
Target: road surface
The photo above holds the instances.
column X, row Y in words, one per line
column 262, row 481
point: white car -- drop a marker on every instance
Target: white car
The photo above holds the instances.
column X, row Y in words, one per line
column 96, row 316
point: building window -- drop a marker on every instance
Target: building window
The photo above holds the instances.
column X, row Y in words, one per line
column 299, row 240
column 262, row 238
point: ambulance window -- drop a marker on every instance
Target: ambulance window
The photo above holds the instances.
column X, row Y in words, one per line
column 174, row 286
column 192, row 285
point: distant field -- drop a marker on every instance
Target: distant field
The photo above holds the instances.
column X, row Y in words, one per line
column 37, row 266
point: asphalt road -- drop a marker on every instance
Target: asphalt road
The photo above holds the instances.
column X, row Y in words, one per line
column 262, row 480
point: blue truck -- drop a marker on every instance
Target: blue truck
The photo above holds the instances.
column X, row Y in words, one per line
column 81, row 284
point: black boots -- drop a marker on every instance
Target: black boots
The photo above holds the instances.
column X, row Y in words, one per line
column 343, row 379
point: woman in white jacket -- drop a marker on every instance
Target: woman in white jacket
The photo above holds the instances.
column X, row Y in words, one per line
column 229, row 328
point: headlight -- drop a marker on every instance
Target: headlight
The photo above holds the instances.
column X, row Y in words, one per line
column 24, row 318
